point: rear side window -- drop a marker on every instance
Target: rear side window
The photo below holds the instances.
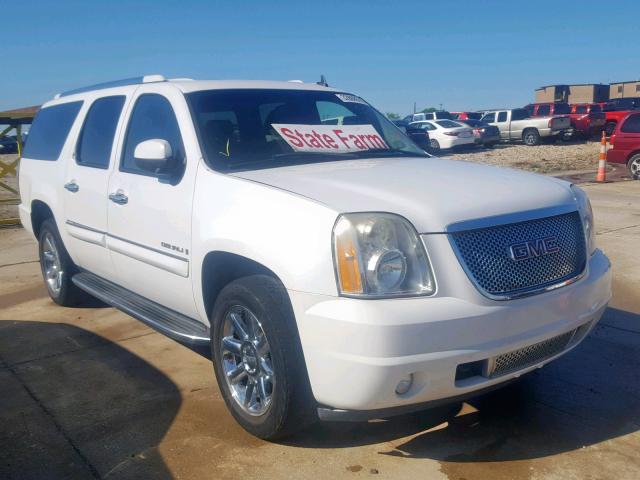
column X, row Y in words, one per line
column 632, row 125
column 152, row 117
column 519, row 114
column 50, row 130
column 543, row 110
column 96, row 137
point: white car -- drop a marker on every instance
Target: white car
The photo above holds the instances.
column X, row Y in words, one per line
column 445, row 134
column 336, row 270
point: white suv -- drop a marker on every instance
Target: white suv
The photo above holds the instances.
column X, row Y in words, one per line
column 335, row 269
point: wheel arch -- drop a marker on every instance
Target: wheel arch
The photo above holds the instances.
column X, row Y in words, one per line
column 219, row 268
column 40, row 211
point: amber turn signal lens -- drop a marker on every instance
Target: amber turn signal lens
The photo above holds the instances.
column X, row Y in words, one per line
column 348, row 265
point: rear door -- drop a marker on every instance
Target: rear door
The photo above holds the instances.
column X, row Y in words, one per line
column 86, row 182
column 150, row 213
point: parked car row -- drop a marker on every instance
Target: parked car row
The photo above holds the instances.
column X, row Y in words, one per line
column 533, row 124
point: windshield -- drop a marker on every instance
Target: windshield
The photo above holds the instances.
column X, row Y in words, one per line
column 253, row 129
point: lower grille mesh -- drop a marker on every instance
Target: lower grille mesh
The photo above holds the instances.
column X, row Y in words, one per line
column 530, row 355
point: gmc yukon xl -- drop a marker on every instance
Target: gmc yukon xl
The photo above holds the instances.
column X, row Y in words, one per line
column 335, row 269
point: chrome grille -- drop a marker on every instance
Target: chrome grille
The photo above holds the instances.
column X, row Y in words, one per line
column 485, row 255
column 527, row 356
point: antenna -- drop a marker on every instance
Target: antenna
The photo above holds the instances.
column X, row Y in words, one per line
column 323, row 81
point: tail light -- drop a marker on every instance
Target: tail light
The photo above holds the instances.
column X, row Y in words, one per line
column 452, row 134
column 612, row 139
column 477, row 130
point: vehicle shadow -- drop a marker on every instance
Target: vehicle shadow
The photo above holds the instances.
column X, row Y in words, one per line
column 76, row 405
column 590, row 395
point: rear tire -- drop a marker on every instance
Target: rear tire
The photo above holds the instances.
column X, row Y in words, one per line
column 634, row 166
column 531, row 137
column 434, row 145
column 257, row 358
column 57, row 267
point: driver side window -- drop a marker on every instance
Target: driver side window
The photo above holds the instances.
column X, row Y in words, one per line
column 152, row 118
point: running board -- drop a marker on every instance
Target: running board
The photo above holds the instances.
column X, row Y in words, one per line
column 170, row 323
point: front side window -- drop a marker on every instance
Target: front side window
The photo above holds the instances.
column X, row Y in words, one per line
column 50, row 130
column 502, row 116
column 632, row 125
column 248, row 129
column 561, row 109
column 152, row 118
column 96, row 138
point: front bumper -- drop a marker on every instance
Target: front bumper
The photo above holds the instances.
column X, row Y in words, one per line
column 357, row 351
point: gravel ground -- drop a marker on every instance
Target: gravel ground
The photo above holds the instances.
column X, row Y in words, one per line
column 551, row 158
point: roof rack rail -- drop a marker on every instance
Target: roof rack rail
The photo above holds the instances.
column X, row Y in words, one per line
column 115, row 83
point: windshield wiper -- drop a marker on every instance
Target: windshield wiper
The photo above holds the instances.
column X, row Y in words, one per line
column 388, row 152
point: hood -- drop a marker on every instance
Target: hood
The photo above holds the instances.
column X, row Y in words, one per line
column 431, row 193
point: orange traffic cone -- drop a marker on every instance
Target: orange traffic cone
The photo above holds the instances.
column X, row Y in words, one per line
column 602, row 162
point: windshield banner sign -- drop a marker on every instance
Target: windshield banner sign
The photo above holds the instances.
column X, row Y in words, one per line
column 331, row 138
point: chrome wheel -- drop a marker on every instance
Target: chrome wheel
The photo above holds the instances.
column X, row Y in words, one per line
column 246, row 361
column 51, row 265
column 634, row 167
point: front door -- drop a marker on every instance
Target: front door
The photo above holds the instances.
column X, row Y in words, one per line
column 86, row 183
column 150, row 212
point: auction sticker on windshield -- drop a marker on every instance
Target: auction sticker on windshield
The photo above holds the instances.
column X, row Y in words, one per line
column 331, row 138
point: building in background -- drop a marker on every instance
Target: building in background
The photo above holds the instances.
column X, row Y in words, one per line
column 579, row 93
column 625, row 89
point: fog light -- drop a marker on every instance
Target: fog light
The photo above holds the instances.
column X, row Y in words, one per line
column 404, row 385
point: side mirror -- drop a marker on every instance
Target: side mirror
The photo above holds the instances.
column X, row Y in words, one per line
column 153, row 155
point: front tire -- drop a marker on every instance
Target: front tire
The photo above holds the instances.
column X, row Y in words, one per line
column 634, row 166
column 57, row 267
column 258, row 359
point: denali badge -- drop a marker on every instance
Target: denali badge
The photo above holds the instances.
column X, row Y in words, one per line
column 533, row 248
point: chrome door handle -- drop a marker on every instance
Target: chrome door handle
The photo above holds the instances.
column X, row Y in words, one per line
column 72, row 186
column 119, row 198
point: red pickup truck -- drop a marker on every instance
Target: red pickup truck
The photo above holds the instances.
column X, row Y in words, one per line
column 616, row 110
column 586, row 119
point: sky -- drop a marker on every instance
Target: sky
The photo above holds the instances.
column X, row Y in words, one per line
column 463, row 55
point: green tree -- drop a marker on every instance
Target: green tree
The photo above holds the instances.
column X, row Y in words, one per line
column 392, row 116
column 429, row 110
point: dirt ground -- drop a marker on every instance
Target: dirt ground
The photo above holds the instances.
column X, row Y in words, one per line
column 91, row 393
column 8, row 211
column 552, row 158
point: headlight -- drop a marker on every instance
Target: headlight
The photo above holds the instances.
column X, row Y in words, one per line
column 586, row 213
column 380, row 255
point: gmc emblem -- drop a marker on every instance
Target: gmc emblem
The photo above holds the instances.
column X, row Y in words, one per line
column 533, row 248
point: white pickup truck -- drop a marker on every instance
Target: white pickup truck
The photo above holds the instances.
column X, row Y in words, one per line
column 335, row 270
column 517, row 125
